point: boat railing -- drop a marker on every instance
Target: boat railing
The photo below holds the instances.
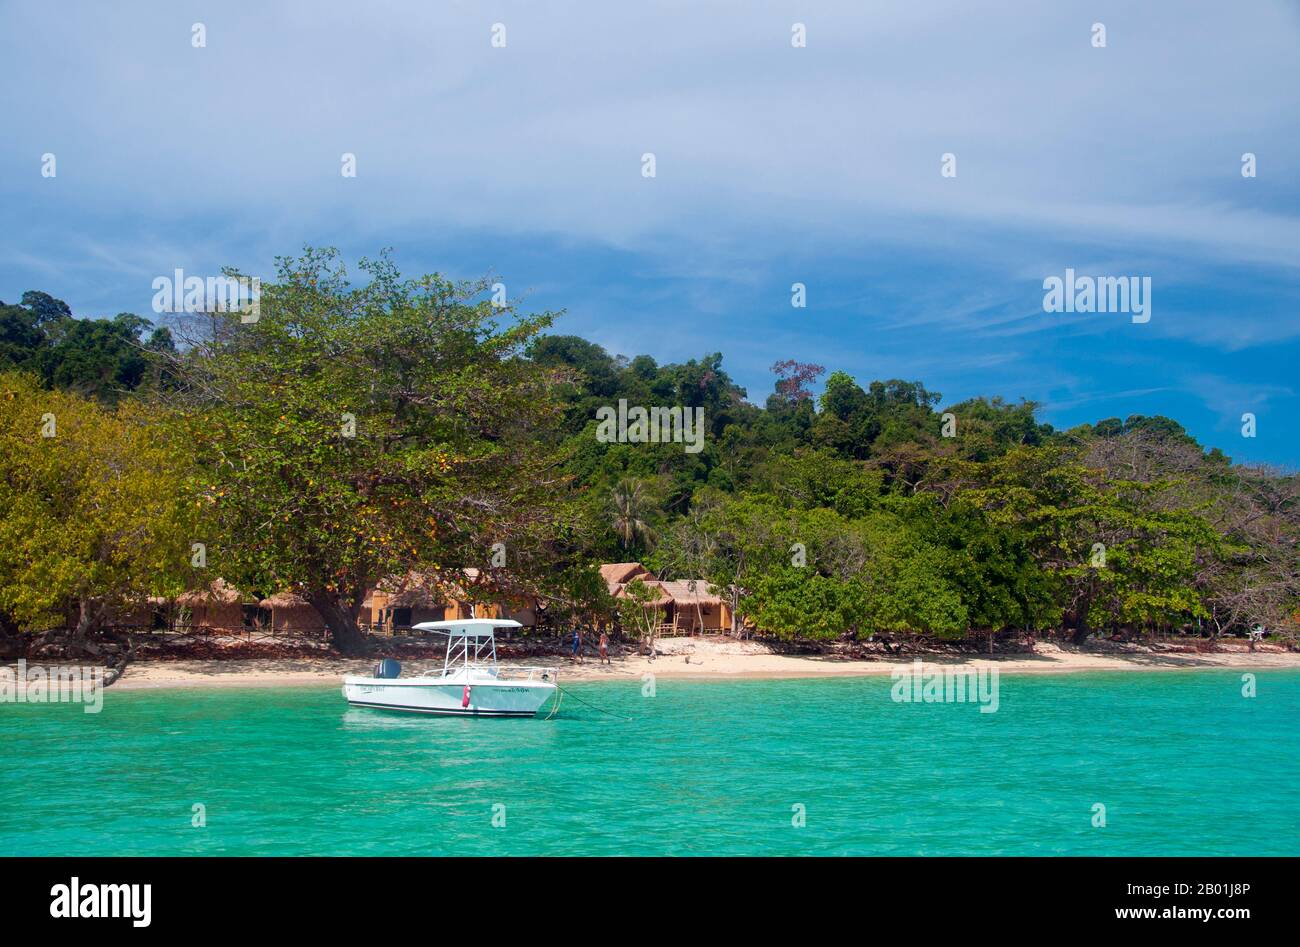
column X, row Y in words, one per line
column 497, row 672
column 526, row 673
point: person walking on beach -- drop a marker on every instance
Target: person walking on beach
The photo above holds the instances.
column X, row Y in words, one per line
column 577, row 645
column 604, row 646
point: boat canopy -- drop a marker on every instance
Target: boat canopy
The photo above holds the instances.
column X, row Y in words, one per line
column 468, row 627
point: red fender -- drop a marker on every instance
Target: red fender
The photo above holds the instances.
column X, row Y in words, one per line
column 464, row 698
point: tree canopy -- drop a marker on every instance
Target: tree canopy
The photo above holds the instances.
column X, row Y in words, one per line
column 415, row 426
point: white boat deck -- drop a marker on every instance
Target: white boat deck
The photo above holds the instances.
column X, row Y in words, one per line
column 470, row 683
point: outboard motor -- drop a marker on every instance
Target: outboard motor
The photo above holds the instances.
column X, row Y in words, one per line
column 388, row 669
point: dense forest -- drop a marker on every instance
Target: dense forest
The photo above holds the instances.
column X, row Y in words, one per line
column 404, row 426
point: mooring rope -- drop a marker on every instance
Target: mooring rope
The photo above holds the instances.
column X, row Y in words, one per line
column 588, row 703
column 559, row 699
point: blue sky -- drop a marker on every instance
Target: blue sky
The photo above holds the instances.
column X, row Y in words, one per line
column 774, row 165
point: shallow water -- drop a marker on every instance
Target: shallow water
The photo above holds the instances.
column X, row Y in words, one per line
column 1182, row 762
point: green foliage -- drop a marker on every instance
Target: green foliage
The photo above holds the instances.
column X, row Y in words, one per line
column 790, row 603
column 101, row 358
column 860, row 423
column 92, row 514
column 633, row 508
column 353, row 433
column 641, row 608
column 810, row 478
column 990, row 427
column 991, row 566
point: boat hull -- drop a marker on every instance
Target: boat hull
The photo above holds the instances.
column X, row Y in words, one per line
column 448, row 698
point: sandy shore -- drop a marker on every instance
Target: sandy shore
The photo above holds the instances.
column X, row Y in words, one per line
column 696, row 658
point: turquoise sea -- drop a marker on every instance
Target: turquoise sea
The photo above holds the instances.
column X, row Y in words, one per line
column 1182, row 762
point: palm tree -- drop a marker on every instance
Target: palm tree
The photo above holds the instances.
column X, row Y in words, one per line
column 631, row 505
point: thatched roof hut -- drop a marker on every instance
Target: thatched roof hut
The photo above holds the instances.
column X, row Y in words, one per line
column 401, row 601
column 220, row 606
column 689, row 592
column 619, row 574
column 218, row 592
column 416, row 597
column 686, row 605
column 292, row 614
column 283, row 600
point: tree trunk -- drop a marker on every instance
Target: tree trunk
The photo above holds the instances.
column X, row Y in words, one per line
column 1081, row 629
column 345, row 634
column 115, row 669
column 91, row 638
column 11, row 644
column 90, row 618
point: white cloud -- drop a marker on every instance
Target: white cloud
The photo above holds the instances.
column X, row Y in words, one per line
column 1137, row 143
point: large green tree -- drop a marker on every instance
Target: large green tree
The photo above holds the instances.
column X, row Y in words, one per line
column 92, row 513
column 351, row 433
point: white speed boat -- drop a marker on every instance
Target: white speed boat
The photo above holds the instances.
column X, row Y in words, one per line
column 471, row 683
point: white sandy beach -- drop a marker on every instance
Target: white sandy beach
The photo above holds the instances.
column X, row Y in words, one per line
column 700, row 658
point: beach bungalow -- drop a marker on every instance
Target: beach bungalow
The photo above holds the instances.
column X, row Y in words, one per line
column 686, row 606
column 522, row 610
column 619, row 574
column 153, row 614
column 498, row 603
column 219, row 607
column 691, row 609
column 519, row 608
column 397, row 608
column 292, row 614
column 399, row 603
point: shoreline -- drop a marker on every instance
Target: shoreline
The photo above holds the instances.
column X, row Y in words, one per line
column 699, row 659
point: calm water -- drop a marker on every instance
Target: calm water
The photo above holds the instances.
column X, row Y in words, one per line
column 1183, row 763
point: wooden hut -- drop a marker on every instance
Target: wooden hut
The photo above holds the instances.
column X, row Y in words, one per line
column 619, row 574
column 219, row 607
column 153, row 614
column 398, row 603
column 686, row 606
column 692, row 609
column 292, row 615
column 396, row 606
column 499, row 604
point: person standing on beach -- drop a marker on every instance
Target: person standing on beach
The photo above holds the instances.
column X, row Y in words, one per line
column 604, row 646
column 577, row 645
